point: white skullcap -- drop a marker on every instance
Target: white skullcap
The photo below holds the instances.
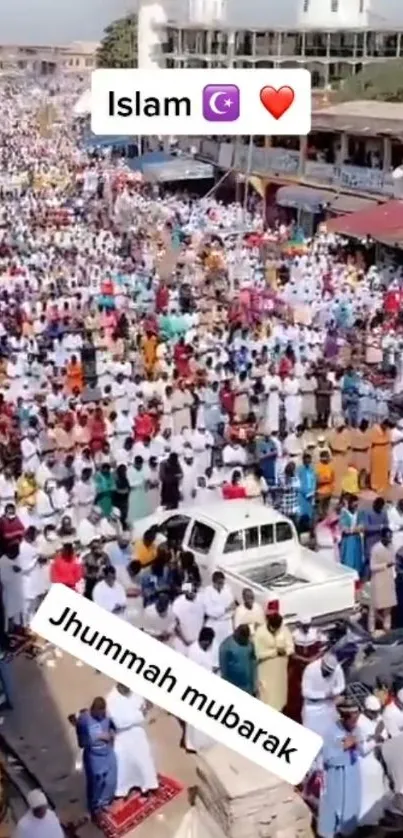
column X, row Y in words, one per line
column 304, row 619
column 399, row 695
column 372, row 703
column 36, row 799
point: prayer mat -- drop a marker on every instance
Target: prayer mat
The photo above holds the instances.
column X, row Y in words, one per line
column 126, row 814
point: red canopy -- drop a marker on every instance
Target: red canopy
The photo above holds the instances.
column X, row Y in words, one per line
column 373, row 221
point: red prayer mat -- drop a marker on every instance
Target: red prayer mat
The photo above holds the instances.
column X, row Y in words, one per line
column 124, row 815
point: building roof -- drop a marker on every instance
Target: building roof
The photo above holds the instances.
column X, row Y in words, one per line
column 351, row 203
column 377, row 221
column 83, row 47
column 362, row 117
column 392, row 239
column 182, row 22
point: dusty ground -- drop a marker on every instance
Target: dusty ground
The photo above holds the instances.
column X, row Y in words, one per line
column 46, row 691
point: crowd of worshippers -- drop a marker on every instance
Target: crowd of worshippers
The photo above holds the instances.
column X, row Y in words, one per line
column 356, row 780
column 147, row 360
column 75, row 481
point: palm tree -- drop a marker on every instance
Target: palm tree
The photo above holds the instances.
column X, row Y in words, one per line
column 119, row 44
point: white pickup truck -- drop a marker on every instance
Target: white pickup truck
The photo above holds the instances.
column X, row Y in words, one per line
column 256, row 547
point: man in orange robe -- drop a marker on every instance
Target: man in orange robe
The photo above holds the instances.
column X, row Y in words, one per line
column 339, row 442
column 75, row 378
column 380, row 457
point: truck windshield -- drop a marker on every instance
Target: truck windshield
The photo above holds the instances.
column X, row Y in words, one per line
column 201, row 537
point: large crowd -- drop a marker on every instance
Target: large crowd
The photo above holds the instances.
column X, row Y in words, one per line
column 152, row 356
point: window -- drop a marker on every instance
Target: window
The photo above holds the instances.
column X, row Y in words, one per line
column 305, row 7
column 174, row 528
column 284, row 532
column 201, row 537
column 266, row 535
column 234, row 542
column 334, row 6
column 251, row 538
column 361, row 6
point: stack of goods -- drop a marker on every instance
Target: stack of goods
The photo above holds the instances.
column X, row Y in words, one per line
column 238, row 799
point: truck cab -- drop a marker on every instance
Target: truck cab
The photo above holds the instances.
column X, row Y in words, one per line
column 257, row 547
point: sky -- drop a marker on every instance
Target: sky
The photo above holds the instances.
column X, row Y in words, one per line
column 57, row 21
column 63, row 21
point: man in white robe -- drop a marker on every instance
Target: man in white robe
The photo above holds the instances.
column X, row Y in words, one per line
column 188, row 609
column 40, row 821
column 305, row 634
column 29, row 451
column 110, row 594
column 28, row 562
column 373, row 783
column 396, row 435
column 219, row 606
column 190, row 474
column 392, row 756
column 203, row 653
column 393, row 715
column 46, row 511
column 272, row 387
column 7, row 489
column 159, row 619
column 83, row 496
column 135, row 763
column 202, row 444
column 249, row 612
column 292, row 402
column 89, row 529
column 322, row 683
column 395, row 520
column 234, row 456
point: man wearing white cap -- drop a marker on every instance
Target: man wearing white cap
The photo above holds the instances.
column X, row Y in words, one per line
column 40, row 821
column 108, row 593
column 374, row 786
column 306, row 635
column 322, row 683
column 189, row 611
column 393, row 715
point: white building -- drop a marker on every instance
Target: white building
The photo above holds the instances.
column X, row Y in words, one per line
column 332, row 38
column 151, row 34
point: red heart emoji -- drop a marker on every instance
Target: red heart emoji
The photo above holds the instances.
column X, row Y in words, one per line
column 277, row 102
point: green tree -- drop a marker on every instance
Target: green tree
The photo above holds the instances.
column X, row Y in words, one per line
column 383, row 82
column 118, row 47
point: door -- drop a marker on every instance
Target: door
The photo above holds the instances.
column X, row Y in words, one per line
column 174, row 529
column 201, row 541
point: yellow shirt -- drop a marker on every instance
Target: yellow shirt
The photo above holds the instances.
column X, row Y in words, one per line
column 143, row 554
column 349, row 484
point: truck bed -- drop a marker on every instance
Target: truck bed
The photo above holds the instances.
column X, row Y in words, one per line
column 272, row 576
column 316, row 585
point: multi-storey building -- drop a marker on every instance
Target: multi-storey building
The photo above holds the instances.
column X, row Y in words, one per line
column 331, row 38
column 78, row 57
